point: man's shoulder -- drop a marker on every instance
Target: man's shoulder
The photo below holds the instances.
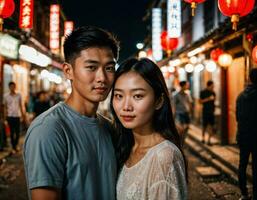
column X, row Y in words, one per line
column 49, row 119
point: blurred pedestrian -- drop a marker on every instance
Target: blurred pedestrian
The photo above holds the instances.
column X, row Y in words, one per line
column 41, row 104
column 207, row 99
column 183, row 108
column 68, row 151
column 149, row 149
column 13, row 112
column 246, row 109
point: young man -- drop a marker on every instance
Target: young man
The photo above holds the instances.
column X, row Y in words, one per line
column 246, row 109
column 68, row 151
column 182, row 108
column 207, row 99
column 13, row 112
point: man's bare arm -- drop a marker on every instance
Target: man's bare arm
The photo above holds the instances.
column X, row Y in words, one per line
column 46, row 193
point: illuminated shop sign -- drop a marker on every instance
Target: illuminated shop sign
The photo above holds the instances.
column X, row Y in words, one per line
column 156, row 33
column 174, row 18
column 68, row 27
column 8, row 46
column 26, row 14
column 54, row 27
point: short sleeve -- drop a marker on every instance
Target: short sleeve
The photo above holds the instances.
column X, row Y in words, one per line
column 45, row 155
column 169, row 178
column 202, row 95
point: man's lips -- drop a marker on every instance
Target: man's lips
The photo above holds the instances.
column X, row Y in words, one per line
column 100, row 89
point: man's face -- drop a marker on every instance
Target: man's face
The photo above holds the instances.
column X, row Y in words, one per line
column 92, row 74
column 12, row 87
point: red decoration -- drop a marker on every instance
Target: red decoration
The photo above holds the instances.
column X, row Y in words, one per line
column 249, row 37
column 149, row 52
column 26, row 14
column 215, row 53
column 194, row 4
column 6, row 8
column 167, row 43
column 235, row 9
column 254, row 54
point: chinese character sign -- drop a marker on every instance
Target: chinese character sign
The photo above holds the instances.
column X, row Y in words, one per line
column 26, row 14
column 68, row 27
column 54, row 27
column 156, row 33
column 174, row 18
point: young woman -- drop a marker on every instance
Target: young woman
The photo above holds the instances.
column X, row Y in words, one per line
column 148, row 145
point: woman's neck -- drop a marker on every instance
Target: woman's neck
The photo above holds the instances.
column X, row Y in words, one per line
column 147, row 140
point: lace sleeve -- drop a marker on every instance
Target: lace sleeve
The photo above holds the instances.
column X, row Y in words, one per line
column 168, row 181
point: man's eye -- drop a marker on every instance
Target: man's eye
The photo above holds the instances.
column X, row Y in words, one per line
column 110, row 69
column 91, row 68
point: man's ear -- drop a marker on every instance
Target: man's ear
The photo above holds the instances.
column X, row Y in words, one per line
column 159, row 102
column 68, row 71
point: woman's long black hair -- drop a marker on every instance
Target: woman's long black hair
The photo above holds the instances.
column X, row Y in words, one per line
column 163, row 121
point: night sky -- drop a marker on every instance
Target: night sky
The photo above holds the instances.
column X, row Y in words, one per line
column 123, row 18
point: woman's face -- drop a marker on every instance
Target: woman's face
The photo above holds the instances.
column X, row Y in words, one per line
column 134, row 102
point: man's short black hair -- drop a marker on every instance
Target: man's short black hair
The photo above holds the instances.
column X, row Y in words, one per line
column 11, row 83
column 209, row 83
column 182, row 83
column 86, row 37
column 253, row 76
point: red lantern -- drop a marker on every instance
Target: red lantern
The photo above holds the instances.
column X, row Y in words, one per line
column 194, row 4
column 249, row 37
column 167, row 43
column 235, row 9
column 254, row 54
column 6, row 10
column 215, row 53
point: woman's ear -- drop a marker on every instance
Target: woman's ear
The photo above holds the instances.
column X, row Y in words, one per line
column 159, row 102
column 68, row 71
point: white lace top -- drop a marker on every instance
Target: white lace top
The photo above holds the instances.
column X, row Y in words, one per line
column 159, row 175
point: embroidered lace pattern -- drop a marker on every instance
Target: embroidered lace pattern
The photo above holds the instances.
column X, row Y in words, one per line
column 159, row 175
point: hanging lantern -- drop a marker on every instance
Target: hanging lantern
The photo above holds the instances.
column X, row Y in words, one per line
column 225, row 60
column 168, row 44
column 249, row 37
column 215, row 53
column 194, row 4
column 254, row 54
column 235, row 9
column 6, row 10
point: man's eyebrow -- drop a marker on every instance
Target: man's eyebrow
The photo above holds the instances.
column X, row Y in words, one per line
column 96, row 62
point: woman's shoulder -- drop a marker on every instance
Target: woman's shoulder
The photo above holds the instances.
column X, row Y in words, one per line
column 167, row 151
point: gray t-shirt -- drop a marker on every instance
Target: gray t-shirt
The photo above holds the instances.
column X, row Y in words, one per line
column 182, row 102
column 66, row 150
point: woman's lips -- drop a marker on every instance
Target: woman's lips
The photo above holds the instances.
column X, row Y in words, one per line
column 127, row 118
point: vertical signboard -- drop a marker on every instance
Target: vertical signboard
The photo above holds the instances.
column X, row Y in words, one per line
column 174, row 18
column 68, row 27
column 26, row 14
column 156, row 33
column 54, row 28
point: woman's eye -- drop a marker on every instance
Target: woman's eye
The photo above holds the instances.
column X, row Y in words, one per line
column 117, row 96
column 138, row 96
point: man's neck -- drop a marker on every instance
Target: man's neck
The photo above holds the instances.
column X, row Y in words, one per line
column 83, row 107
